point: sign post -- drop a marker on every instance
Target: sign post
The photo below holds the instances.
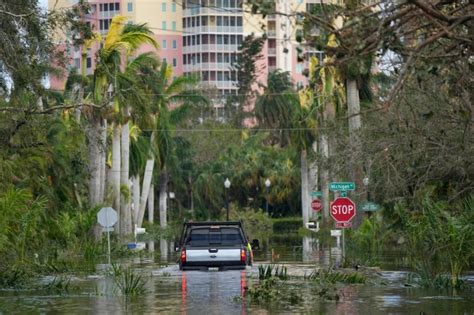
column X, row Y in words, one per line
column 107, row 217
column 343, row 210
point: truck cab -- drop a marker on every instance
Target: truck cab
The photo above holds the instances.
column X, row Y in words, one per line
column 221, row 245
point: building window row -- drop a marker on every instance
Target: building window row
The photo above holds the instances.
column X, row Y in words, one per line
column 212, row 4
column 104, row 24
column 105, row 7
column 164, row 44
column 212, row 20
column 205, row 39
column 218, row 76
column 192, row 59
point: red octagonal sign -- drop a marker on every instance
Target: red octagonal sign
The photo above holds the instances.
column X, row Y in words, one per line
column 343, row 209
column 316, row 205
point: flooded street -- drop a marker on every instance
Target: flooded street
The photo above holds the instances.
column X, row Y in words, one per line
column 171, row 291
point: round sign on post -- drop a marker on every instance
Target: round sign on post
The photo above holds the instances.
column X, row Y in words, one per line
column 107, row 217
column 343, row 209
column 316, row 205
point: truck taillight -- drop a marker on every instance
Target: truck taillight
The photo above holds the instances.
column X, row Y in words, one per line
column 183, row 255
column 243, row 255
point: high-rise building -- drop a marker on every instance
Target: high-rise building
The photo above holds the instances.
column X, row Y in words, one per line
column 198, row 36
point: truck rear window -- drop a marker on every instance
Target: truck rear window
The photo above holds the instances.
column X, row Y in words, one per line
column 213, row 237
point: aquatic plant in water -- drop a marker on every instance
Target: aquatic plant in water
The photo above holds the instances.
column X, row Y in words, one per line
column 330, row 276
column 269, row 271
column 128, row 282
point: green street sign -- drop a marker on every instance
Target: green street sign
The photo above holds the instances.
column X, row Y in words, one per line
column 341, row 186
column 316, row 194
column 369, row 206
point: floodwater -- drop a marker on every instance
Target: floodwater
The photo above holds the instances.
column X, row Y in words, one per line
column 171, row 291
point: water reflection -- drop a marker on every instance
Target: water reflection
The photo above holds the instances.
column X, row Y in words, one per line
column 220, row 292
column 164, row 246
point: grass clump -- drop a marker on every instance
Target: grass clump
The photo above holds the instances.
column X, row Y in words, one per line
column 333, row 277
column 128, row 282
column 269, row 271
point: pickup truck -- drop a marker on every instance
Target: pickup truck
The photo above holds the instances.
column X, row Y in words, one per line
column 221, row 245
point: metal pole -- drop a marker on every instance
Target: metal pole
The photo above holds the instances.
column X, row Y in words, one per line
column 108, row 243
column 343, row 246
column 108, row 235
column 227, row 203
column 266, row 200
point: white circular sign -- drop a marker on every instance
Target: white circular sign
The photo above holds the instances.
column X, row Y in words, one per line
column 107, row 217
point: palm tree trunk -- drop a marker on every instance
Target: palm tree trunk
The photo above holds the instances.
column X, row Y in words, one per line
column 136, row 198
column 93, row 135
column 304, row 187
column 124, row 178
column 313, row 175
column 151, row 204
column 116, row 178
column 145, row 190
column 163, row 197
column 353, row 107
column 103, row 161
column 324, row 149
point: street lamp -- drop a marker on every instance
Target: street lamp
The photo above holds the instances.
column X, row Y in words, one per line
column 267, row 185
column 366, row 184
column 227, row 186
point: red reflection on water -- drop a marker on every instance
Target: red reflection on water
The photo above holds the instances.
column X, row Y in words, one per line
column 243, row 291
column 183, row 293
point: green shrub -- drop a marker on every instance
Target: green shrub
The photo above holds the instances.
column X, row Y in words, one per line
column 287, row 225
column 440, row 240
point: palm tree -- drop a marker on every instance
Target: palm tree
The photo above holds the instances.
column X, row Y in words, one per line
column 121, row 42
column 166, row 92
column 329, row 90
column 276, row 106
column 303, row 138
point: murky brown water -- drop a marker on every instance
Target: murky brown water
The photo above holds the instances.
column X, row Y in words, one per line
column 170, row 291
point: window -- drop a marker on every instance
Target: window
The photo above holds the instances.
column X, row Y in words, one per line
column 175, row 62
column 77, row 63
column 164, row 60
column 163, row 44
column 173, row 26
column 89, row 62
column 163, row 7
column 163, row 25
column 175, row 44
column 117, row 6
column 173, row 7
column 299, row 68
column 129, row 7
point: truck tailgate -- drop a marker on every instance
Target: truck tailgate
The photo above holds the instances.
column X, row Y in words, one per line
column 212, row 254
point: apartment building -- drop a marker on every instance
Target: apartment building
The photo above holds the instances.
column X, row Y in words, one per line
column 199, row 36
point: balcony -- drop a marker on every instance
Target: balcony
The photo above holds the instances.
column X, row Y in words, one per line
column 271, row 33
column 272, row 51
column 211, row 11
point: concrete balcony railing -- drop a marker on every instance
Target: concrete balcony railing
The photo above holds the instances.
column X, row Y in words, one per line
column 219, row 48
column 211, row 11
column 216, row 29
column 271, row 33
column 272, row 68
column 272, row 51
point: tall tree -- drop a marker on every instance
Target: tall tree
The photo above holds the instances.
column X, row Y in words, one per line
column 246, row 69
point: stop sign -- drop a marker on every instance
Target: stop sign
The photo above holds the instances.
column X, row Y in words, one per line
column 316, row 205
column 343, row 209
